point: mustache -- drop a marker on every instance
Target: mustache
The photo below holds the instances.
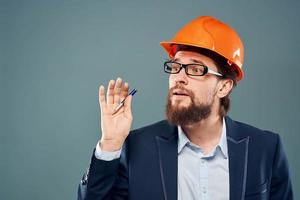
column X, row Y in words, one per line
column 189, row 92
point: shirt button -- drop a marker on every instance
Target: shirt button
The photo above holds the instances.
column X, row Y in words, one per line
column 202, row 161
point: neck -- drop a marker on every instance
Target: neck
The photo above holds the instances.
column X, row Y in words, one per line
column 205, row 133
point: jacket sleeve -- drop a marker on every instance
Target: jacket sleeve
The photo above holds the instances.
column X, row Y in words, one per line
column 281, row 187
column 106, row 180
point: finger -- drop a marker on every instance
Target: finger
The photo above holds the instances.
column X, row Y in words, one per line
column 118, row 88
column 110, row 92
column 127, row 106
column 102, row 101
column 125, row 90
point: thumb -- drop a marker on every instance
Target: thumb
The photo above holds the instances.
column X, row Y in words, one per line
column 127, row 106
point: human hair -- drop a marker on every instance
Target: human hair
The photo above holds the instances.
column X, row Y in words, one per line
column 223, row 68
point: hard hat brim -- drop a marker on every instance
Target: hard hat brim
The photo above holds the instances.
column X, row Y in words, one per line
column 170, row 48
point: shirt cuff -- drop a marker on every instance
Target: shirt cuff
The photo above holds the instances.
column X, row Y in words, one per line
column 106, row 155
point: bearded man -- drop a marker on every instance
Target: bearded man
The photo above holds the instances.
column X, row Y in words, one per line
column 198, row 152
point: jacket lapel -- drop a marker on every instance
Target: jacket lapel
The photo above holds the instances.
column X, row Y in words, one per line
column 238, row 160
column 167, row 151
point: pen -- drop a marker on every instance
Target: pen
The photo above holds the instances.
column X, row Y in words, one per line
column 122, row 102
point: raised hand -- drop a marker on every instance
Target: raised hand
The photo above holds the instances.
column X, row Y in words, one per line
column 115, row 127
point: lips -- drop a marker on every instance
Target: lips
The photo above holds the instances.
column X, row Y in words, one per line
column 180, row 92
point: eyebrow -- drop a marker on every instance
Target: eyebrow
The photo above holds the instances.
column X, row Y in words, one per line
column 193, row 60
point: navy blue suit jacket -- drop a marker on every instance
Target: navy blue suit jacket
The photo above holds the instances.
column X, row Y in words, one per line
column 147, row 168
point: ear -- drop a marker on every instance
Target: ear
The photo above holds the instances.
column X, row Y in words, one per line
column 224, row 87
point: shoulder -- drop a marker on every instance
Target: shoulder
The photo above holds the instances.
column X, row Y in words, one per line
column 239, row 130
column 142, row 141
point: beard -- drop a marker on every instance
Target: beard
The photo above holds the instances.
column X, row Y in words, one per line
column 193, row 113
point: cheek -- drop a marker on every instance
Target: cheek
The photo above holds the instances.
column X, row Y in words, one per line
column 203, row 95
column 171, row 81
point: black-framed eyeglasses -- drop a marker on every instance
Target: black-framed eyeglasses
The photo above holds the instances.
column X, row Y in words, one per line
column 194, row 69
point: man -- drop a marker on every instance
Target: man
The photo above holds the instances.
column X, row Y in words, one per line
column 198, row 152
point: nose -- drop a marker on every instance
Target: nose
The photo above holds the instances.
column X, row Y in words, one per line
column 180, row 78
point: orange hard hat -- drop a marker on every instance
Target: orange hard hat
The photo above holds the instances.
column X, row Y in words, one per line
column 209, row 33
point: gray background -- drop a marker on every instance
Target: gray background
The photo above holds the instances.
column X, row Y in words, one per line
column 54, row 55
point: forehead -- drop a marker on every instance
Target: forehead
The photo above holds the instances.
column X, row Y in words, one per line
column 186, row 57
column 192, row 56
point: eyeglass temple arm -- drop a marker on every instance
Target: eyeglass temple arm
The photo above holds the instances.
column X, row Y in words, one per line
column 213, row 72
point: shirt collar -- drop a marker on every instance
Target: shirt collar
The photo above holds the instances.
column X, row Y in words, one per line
column 182, row 139
column 222, row 145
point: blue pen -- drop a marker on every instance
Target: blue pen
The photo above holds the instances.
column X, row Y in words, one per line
column 122, row 102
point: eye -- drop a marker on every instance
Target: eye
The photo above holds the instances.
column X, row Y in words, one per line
column 173, row 67
column 195, row 69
